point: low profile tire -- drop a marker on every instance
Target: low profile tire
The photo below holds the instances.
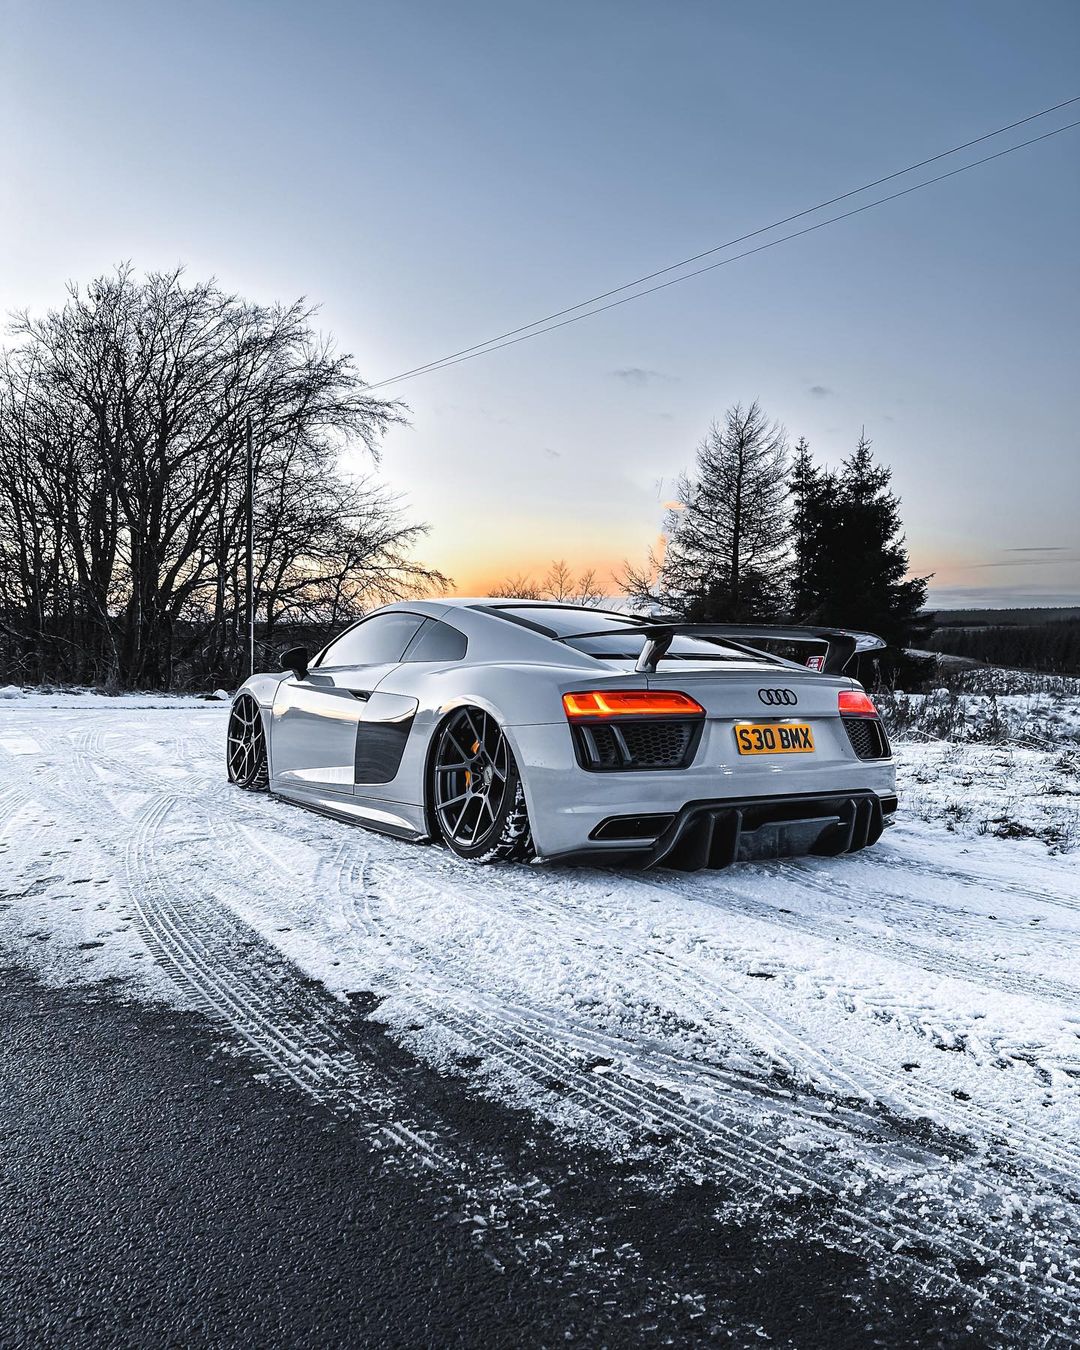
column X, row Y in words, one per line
column 476, row 793
column 245, row 750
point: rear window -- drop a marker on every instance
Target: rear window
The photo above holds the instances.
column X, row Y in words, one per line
column 565, row 621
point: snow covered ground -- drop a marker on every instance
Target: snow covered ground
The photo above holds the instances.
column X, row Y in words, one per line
column 884, row 1049
column 999, row 755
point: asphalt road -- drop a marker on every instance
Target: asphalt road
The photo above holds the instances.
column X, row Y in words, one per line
column 156, row 1190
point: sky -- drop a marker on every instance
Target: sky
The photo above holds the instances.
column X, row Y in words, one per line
column 433, row 174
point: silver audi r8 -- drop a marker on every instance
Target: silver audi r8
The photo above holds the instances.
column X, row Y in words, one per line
column 518, row 730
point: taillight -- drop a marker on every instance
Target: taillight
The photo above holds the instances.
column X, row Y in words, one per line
column 630, row 703
column 854, row 703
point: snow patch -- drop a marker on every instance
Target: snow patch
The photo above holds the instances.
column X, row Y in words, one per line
column 896, row 1031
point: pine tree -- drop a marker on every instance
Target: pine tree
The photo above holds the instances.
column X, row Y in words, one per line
column 727, row 543
column 808, row 487
column 857, row 574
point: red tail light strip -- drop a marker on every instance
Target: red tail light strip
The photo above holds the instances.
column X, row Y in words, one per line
column 630, row 703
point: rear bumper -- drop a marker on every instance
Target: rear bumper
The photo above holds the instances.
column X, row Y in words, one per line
column 567, row 804
column 717, row 833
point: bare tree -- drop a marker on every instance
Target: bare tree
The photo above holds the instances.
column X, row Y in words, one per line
column 520, row 587
column 642, row 585
column 587, row 589
column 559, row 583
column 122, row 481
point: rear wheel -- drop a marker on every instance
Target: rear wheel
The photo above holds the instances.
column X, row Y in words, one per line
column 245, row 750
column 477, row 797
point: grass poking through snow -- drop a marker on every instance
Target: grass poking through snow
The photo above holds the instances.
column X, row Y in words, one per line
column 992, row 752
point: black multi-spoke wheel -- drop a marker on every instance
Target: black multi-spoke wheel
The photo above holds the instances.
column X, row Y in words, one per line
column 477, row 796
column 245, row 751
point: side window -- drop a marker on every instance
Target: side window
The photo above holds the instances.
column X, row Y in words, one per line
column 437, row 642
column 373, row 641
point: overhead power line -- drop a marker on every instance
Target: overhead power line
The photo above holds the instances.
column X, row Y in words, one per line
column 545, row 325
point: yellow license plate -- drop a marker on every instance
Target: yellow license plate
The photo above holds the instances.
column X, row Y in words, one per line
column 774, row 738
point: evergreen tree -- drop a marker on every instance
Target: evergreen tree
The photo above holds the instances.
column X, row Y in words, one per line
column 727, row 543
column 808, row 486
column 857, row 566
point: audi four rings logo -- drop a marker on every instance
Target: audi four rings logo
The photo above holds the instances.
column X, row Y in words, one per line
column 777, row 697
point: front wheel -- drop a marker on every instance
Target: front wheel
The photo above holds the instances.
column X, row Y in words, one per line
column 477, row 797
column 245, row 753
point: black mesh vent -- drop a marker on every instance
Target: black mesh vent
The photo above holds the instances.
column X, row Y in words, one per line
column 601, row 747
column 636, row 745
column 867, row 737
column 660, row 743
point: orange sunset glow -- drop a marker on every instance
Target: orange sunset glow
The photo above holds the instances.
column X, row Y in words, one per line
column 477, row 571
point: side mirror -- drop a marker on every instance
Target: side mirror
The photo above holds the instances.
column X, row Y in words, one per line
column 296, row 660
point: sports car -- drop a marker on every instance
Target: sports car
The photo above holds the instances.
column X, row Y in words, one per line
column 509, row 729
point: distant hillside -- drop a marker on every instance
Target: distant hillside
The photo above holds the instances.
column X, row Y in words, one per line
column 1026, row 639
column 1000, row 618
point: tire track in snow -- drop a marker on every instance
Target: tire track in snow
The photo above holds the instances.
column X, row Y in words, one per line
column 680, row 975
column 243, row 982
column 923, row 957
column 868, row 1081
column 912, row 1096
column 975, row 1175
column 919, row 867
column 696, row 987
column 236, row 976
column 11, row 800
column 885, row 875
column 553, row 1056
column 507, row 1037
column 745, row 1154
column 868, row 1077
column 1057, row 1067
column 502, row 1036
column 297, row 1029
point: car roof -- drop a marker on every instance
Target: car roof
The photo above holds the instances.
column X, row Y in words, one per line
column 444, row 604
column 481, row 616
column 494, row 636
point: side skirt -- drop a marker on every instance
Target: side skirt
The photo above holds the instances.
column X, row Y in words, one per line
column 383, row 822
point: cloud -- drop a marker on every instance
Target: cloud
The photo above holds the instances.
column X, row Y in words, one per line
column 1054, row 548
column 1051, row 561
column 639, row 376
column 820, row 390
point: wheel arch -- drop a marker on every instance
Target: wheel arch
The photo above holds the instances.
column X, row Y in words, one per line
column 262, row 687
column 443, row 714
column 246, row 697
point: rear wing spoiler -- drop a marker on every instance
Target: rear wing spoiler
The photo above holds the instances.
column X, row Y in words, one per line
column 841, row 644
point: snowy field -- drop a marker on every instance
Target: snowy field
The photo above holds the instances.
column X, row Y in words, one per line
column 999, row 755
column 883, row 1050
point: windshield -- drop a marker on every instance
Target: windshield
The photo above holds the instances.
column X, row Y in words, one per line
column 566, row 622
